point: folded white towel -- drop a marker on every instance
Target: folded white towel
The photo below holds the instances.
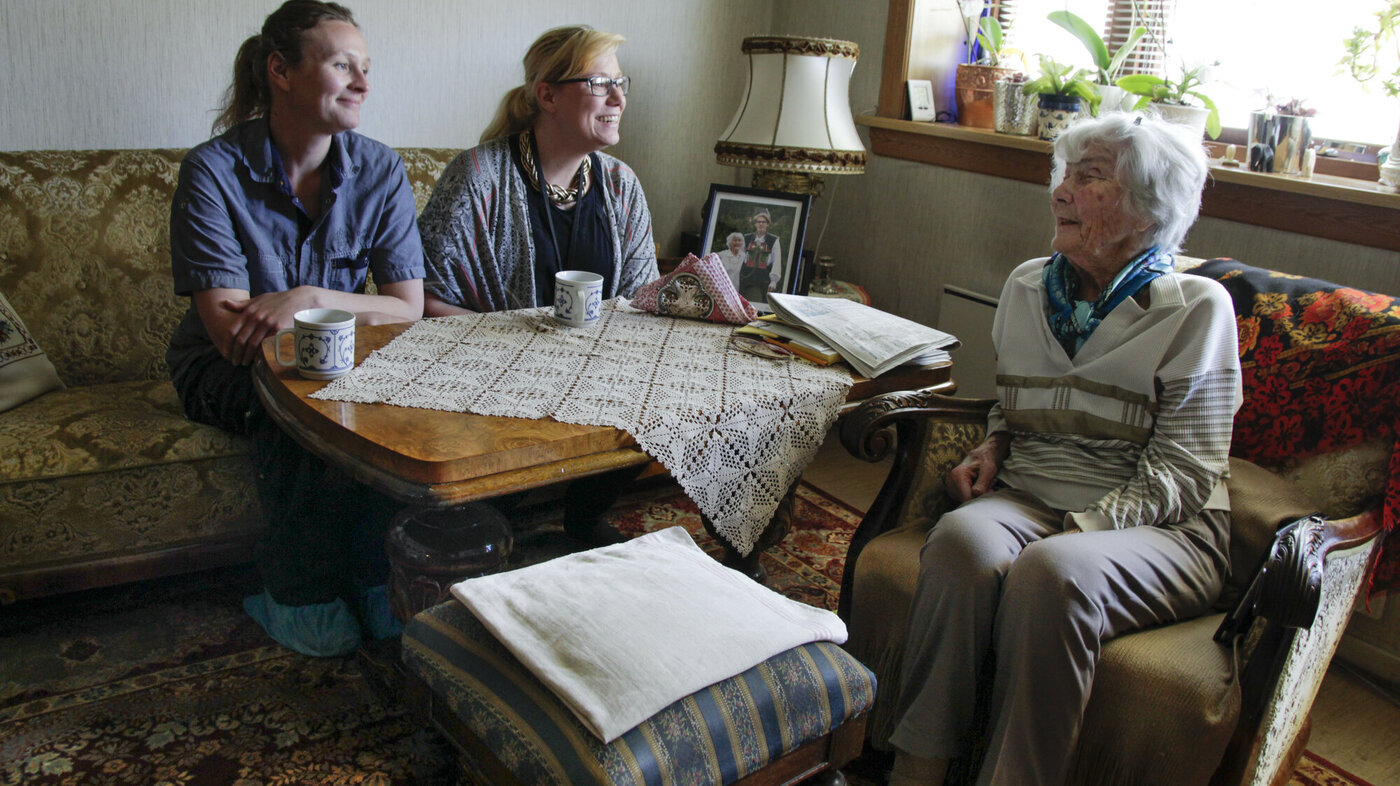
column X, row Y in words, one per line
column 621, row 632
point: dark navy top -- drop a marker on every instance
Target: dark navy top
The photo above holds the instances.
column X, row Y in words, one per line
column 235, row 223
column 583, row 234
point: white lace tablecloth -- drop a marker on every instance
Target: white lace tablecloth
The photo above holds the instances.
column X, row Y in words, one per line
column 734, row 430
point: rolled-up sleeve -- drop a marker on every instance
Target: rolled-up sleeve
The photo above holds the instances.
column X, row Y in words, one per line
column 205, row 252
column 396, row 253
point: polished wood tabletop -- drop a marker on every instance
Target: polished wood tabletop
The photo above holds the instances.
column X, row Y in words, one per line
column 439, row 458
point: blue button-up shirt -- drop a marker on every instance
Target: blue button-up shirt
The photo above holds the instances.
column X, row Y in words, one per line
column 235, row 223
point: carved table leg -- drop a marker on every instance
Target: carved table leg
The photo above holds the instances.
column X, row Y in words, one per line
column 430, row 549
column 772, row 535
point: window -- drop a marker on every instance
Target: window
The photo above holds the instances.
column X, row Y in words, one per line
column 1268, row 53
column 924, row 40
column 1029, row 30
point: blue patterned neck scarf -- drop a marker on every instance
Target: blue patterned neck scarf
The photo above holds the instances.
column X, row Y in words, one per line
column 1073, row 320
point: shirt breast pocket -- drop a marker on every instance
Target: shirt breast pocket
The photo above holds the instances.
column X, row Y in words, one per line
column 347, row 268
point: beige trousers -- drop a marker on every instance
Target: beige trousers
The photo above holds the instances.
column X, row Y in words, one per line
column 998, row 592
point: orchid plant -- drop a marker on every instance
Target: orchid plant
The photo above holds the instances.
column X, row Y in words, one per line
column 988, row 34
column 1108, row 66
column 1181, row 90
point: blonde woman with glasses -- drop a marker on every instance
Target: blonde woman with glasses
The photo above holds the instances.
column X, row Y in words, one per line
column 537, row 195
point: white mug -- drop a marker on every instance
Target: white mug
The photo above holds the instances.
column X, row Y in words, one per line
column 578, row 297
column 323, row 343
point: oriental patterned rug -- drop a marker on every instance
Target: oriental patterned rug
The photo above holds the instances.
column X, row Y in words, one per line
column 169, row 682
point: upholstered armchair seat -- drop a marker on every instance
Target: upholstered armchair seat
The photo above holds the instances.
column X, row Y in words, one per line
column 103, row 480
column 1223, row 698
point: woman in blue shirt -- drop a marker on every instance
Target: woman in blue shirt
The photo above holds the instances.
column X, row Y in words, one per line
column 287, row 209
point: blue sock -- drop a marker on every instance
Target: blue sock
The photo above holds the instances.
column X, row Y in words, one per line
column 377, row 616
column 321, row 630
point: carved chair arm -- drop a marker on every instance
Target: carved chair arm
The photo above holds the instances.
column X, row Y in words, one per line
column 902, row 422
column 1287, row 588
column 1287, row 597
column 871, row 430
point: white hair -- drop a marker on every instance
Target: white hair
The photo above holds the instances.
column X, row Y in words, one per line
column 733, row 235
column 1161, row 167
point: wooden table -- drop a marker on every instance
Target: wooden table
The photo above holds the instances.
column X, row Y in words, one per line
column 441, row 459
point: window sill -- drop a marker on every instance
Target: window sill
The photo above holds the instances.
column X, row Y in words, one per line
column 1336, row 208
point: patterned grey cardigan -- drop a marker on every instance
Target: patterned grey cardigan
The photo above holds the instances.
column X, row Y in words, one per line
column 476, row 231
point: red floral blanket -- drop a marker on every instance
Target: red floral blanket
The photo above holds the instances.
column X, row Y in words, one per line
column 1321, row 367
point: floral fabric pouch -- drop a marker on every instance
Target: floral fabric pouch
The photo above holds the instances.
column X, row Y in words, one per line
column 696, row 289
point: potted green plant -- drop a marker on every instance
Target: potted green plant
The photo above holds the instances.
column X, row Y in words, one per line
column 1173, row 98
column 1372, row 52
column 1063, row 91
column 974, row 83
column 1108, row 66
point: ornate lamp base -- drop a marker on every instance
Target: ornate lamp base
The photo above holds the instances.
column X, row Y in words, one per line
column 788, row 182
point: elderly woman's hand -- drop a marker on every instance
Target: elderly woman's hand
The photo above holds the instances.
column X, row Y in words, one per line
column 974, row 476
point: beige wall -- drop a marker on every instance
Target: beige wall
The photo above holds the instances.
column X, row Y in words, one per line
column 148, row 73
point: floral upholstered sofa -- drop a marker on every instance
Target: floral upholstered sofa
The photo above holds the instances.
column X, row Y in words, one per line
column 102, row 479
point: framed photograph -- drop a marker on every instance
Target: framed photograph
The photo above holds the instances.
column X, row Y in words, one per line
column 921, row 100
column 758, row 236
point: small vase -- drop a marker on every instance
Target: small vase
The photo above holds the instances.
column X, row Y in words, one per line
column 822, row 282
column 1194, row 116
column 1278, row 143
column 1390, row 167
column 1057, row 113
column 973, row 94
column 1015, row 112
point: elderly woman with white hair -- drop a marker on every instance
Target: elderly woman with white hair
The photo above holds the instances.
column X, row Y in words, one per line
column 733, row 256
column 1117, row 384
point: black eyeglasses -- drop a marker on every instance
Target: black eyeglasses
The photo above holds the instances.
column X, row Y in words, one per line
column 601, row 85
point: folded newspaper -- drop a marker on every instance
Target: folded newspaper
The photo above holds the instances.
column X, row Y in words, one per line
column 871, row 340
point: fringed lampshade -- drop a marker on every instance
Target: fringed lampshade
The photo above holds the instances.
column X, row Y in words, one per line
column 794, row 122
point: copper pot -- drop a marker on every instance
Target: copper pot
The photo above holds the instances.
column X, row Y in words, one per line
column 972, row 93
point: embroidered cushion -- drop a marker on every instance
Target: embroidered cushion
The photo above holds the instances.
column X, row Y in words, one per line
column 25, row 371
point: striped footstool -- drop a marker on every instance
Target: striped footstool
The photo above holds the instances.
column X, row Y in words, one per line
column 797, row 714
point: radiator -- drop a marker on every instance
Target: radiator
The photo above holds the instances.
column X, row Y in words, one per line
column 968, row 315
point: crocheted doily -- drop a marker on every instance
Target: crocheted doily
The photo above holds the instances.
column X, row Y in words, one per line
column 734, row 430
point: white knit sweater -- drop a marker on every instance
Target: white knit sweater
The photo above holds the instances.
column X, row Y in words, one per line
column 1135, row 429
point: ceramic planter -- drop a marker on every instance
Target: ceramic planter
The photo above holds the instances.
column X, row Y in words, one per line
column 1113, row 98
column 1194, row 116
column 1056, row 114
column 973, row 94
column 1015, row 112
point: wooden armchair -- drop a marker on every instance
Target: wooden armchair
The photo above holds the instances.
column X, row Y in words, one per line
column 1219, row 699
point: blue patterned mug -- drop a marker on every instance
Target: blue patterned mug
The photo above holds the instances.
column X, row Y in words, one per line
column 323, row 343
column 578, row 298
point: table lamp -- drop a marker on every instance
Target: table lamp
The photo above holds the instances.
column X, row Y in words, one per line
column 794, row 123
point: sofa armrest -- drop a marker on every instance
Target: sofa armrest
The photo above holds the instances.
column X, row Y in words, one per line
column 928, row 433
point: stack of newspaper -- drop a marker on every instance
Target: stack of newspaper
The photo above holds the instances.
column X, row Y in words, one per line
column 871, row 340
